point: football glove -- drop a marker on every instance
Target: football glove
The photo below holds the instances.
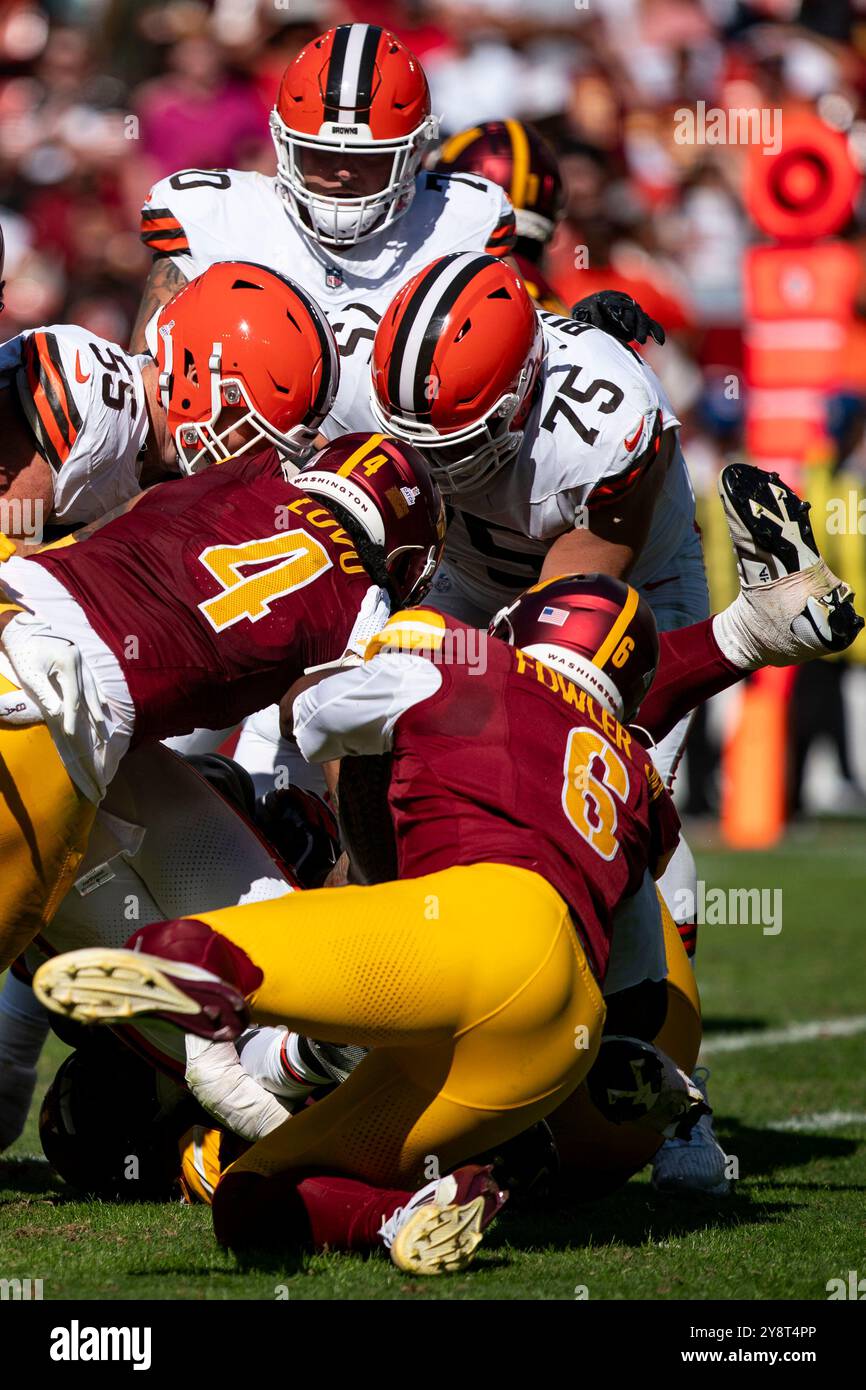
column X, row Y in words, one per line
column 619, row 315
column 50, row 669
column 372, row 616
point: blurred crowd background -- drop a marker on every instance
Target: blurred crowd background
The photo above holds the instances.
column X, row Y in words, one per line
column 98, row 98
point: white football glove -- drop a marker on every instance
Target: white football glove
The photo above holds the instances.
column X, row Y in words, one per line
column 51, row 671
column 372, row 616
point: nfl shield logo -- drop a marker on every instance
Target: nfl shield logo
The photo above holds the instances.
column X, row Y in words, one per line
column 333, row 277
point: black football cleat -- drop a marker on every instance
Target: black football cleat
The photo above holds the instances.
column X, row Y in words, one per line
column 773, row 538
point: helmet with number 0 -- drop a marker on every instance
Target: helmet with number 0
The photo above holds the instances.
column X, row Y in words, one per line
column 596, row 630
column 351, row 125
column 245, row 357
column 381, row 491
column 514, row 155
column 455, row 362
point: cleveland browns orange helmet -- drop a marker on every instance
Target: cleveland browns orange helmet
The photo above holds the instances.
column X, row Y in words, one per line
column 382, row 488
column 513, row 155
column 596, row 630
column 351, row 125
column 455, row 361
column 245, row 340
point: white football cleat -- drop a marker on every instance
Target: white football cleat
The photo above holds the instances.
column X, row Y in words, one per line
column 697, row 1164
column 441, row 1226
column 791, row 607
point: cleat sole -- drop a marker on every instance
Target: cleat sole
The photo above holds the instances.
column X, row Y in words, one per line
column 99, row 985
column 440, row 1240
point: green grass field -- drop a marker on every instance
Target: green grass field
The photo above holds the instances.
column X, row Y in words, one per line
column 794, row 1114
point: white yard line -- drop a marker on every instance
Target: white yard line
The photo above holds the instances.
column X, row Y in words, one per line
column 823, row 1119
column 779, row 1037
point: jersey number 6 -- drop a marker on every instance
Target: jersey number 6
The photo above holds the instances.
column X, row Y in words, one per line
column 285, row 562
column 595, row 779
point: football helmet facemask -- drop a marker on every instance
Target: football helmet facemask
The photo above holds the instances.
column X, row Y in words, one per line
column 244, row 340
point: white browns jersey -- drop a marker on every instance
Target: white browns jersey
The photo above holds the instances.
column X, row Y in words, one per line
column 594, row 418
column 84, row 401
column 200, row 216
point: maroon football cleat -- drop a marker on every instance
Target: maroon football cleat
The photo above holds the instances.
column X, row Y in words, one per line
column 182, row 972
column 441, row 1226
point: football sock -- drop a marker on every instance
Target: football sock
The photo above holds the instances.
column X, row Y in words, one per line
column 691, row 669
column 24, row 1024
column 287, row 1211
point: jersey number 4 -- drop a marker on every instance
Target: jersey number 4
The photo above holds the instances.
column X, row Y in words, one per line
column 282, row 563
column 595, row 778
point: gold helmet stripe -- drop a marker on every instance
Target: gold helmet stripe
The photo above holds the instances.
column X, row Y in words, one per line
column 457, row 144
column 360, row 453
column 520, row 151
column 611, row 641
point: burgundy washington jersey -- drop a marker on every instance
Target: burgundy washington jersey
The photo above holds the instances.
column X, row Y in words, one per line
column 515, row 764
column 215, row 593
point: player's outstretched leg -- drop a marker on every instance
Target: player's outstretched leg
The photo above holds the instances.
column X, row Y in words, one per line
column 791, row 607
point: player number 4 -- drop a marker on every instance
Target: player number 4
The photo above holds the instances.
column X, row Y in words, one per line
column 283, row 563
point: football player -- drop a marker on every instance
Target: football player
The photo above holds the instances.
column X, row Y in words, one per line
column 473, row 980
column 217, row 396
column 524, row 811
column 555, row 446
column 350, row 215
column 200, row 605
column 514, row 155
column 87, row 426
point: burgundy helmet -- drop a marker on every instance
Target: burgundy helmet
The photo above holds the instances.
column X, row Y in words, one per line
column 516, row 157
column 383, row 486
column 596, row 630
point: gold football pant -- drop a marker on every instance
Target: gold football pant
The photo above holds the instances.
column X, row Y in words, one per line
column 45, row 822
column 470, row 987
